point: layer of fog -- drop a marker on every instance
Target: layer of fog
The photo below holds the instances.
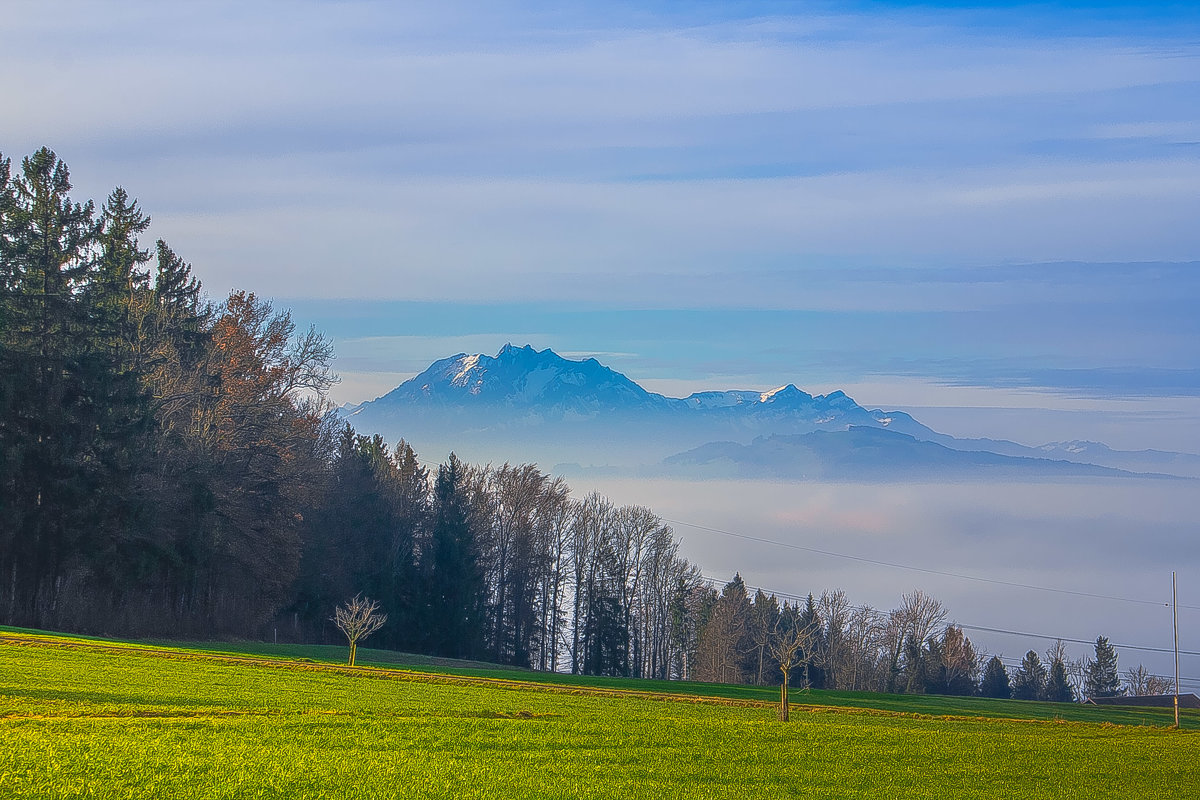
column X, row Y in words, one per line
column 1118, row 538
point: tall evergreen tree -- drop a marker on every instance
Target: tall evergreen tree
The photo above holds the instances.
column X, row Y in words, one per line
column 722, row 638
column 455, row 590
column 995, row 680
column 760, row 626
column 811, row 673
column 11, row 364
column 1029, row 683
column 1058, row 686
column 1102, row 678
column 363, row 534
column 604, row 628
column 116, row 301
column 917, row 665
column 47, row 255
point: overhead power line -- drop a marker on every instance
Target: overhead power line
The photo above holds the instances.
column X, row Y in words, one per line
column 716, row 582
column 1184, row 683
column 1077, row 641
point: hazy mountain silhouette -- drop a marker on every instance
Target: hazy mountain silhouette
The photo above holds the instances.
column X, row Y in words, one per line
column 534, row 405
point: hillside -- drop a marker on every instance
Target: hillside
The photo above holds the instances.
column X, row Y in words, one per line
column 867, row 454
column 125, row 720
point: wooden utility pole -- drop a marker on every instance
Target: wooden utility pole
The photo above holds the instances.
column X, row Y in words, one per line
column 1175, row 614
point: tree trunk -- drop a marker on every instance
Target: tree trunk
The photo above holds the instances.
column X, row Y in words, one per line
column 12, row 593
column 783, row 696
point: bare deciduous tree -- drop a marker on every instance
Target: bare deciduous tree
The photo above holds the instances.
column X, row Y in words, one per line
column 864, row 640
column 835, row 654
column 1057, row 652
column 358, row 619
column 923, row 614
column 1141, row 682
column 1077, row 674
column 919, row 617
column 1160, row 684
column 718, row 650
column 960, row 662
column 790, row 646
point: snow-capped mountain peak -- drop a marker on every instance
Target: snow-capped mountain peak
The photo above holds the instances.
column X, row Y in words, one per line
column 528, row 384
column 519, row 378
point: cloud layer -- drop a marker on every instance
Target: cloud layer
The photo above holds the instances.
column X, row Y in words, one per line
column 426, row 151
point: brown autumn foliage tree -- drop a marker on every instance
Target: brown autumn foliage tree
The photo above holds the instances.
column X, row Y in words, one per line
column 263, row 435
column 155, row 449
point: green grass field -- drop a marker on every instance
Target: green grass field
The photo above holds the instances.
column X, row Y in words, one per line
column 88, row 718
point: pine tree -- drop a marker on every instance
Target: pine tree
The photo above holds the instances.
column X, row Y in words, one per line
column 1102, row 679
column 1058, row 687
column 608, row 651
column 929, row 669
column 722, row 640
column 153, row 477
column 116, row 300
column 762, row 620
column 1029, row 683
column 47, row 255
column 995, row 680
column 455, row 590
column 11, row 363
column 810, row 620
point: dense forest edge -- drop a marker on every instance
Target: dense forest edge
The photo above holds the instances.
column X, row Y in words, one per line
column 170, row 466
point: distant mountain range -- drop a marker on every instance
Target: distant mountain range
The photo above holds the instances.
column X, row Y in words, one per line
column 528, row 405
column 862, row 453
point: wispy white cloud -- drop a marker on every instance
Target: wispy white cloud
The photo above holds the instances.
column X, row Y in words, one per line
column 520, row 238
column 435, row 147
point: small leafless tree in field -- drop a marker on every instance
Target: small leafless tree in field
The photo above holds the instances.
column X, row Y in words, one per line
column 790, row 645
column 358, row 619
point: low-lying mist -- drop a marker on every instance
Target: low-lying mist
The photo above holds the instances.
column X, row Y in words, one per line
column 1113, row 537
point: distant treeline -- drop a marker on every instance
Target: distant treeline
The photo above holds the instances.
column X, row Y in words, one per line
column 170, row 466
column 910, row 649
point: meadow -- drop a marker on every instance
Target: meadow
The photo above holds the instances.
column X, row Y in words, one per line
column 91, row 718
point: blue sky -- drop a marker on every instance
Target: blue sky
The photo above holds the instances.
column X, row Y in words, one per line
column 982, row 212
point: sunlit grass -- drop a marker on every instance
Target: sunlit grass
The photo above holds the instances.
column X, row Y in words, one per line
column 96, row 721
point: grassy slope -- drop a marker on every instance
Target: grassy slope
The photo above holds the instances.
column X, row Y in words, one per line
column 111, row 721
column 918, row 704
